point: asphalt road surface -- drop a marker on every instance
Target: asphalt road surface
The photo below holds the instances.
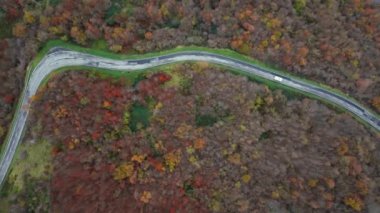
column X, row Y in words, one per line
column 59, row 57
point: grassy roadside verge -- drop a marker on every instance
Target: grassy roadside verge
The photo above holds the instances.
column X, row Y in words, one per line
column 31, row 165
column 225, row 52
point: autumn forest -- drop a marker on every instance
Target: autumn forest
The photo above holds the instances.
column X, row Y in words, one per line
column 193, row 137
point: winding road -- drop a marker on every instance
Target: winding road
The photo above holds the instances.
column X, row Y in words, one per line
column 59, row 57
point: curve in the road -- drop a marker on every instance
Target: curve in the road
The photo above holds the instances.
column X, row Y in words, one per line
column 58, row 58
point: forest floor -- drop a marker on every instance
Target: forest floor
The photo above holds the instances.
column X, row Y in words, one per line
column 192, row 138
